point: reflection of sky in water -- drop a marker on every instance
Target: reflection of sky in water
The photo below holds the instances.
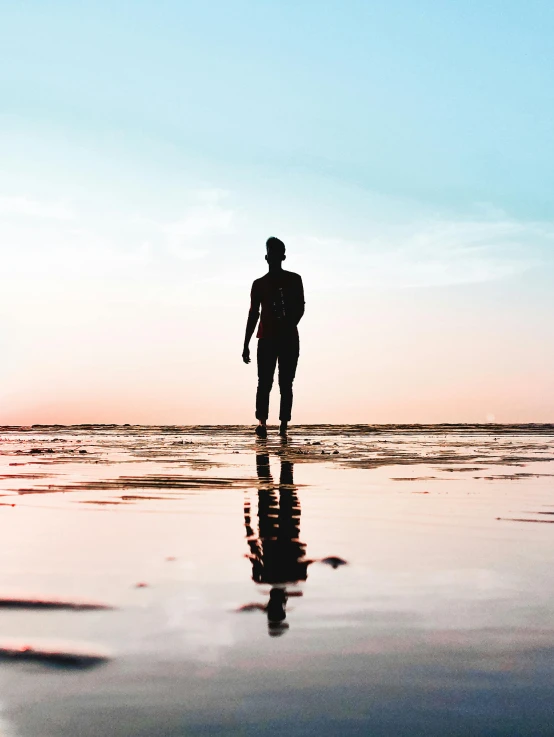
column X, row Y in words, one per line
column 442, row 620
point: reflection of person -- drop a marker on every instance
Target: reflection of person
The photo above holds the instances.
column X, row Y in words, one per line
column 276, row 553
column 280, row 296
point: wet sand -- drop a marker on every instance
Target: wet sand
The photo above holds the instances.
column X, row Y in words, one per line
column 356, row 580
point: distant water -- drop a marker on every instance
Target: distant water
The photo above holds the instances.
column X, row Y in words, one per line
column 355, row 580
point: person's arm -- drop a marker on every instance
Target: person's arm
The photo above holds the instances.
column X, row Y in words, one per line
column 300, row 301
column 253, row 315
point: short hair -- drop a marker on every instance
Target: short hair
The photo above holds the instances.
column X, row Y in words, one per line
column 274, row 245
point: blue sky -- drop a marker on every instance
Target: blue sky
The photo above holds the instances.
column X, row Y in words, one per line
column 401, row 149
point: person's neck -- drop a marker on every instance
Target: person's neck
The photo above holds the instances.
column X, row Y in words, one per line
column 275, row 270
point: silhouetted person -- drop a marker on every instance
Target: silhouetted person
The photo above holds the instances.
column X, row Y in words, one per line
column 280, row 295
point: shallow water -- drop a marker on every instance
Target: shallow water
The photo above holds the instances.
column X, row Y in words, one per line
column 137, row 575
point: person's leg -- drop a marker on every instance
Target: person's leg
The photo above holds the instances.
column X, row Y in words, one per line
column 288, row 360
column 267, row 360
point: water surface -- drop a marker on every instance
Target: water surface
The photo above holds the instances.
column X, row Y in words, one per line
column 356, row 580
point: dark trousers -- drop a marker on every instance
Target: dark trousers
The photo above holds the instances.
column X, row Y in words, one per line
column 284, row 351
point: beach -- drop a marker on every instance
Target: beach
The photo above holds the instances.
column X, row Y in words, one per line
column 352, row 580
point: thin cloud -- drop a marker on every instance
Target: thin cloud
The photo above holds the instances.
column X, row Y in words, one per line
column 189, row 237
column 204, row 220
column 433, row 253
column 24, row 206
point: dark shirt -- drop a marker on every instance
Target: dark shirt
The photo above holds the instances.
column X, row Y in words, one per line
column 281, row 298
column 280, row 561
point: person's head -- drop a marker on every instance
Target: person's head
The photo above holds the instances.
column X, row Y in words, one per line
column 275, row 252
column 276, row 612
column 276, row 606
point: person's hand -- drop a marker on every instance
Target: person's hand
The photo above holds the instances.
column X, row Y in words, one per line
column 246, row 354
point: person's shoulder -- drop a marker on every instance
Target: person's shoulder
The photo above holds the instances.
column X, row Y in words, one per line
column 293, row 276
column 259, row 282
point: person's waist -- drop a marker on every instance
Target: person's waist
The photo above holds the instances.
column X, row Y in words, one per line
column 291, row 333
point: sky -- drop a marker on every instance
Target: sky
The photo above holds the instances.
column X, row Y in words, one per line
column 402, row 150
